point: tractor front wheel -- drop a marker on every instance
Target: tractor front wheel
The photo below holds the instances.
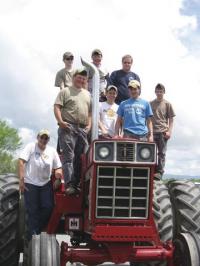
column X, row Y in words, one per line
column 187, row 250
column 44, row 250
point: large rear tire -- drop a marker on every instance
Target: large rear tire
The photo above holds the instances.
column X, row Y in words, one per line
column 185, row 196
column 9, row 217
column 44, row 251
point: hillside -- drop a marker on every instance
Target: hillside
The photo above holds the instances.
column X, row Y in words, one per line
column 170, row 176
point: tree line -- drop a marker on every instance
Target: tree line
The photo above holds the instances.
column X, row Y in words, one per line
column 10, row 142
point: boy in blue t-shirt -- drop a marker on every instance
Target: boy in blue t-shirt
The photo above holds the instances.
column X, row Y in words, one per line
column 135, row 116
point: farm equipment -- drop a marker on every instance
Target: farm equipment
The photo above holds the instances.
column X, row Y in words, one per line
column 121, row 214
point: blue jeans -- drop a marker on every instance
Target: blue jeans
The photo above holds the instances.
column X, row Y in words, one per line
column 128, row 134
column 38, row 205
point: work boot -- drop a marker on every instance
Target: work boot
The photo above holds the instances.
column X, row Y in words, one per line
column 72, row 190
column 157, row 176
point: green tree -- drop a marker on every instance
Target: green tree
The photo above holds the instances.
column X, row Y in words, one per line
column 9, row 143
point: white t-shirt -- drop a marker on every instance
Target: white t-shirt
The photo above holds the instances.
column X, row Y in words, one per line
column 108, row 116
column 39, row 164
column 102, row 83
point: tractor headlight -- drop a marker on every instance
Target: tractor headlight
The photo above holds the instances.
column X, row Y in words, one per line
column 146, row 152
column 104, row 151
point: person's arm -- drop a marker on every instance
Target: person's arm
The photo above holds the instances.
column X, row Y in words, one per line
column 170, row 115
column 150, row 129
column 57, row 113
column 23, row 159
column 58, row 176
column 21, row 172
column 103, row 129
column 62, row 85
column 118, row 126
column 59, row 82
column 119, row 122
column 89, row 126
column 169, row 132
column 111, row 79
column 58, row 173
column 107, row 77
column 100, row 123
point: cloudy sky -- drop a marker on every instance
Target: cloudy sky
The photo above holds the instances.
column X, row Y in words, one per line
column 163, row 37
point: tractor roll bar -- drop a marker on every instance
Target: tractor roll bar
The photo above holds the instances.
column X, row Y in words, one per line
column 95, row 97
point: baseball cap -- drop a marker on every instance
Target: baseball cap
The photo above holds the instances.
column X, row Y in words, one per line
column 67, row 55
column 96, row 52
column 44, row 132
column 134, row 83
column 111, row 87
column 81, row 71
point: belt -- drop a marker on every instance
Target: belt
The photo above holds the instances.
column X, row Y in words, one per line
column 131, row 133
column 76, row 124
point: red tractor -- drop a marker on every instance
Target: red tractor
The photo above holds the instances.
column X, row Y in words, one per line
column 121, row 214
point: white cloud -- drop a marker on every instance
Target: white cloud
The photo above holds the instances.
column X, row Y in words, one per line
column 27, row 135
column 34, row 35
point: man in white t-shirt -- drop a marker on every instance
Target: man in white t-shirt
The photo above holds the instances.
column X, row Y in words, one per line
column 97, row 57
column 108, row 113
column 36, row 163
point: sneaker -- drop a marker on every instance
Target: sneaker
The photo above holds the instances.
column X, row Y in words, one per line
column 158, row 176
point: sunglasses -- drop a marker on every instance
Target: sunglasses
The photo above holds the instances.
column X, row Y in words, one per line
column 44, row 138
column 132, row 89
column 95, row 54
column 69, row 58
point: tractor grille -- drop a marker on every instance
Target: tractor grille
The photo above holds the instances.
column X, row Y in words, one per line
column 126, row 152
column 122, row 193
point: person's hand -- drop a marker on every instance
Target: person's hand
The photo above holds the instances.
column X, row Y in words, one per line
column 116, row 137
column 22, row 186
column 56, row 183
column 167, row 135
column 150, row 138
column 107, row 136
column 87, row 129
column 104, row 132
column 102, row 93
column 58, row 174
column 64, row 124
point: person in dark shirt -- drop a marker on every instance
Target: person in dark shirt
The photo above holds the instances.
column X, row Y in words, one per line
column 121, row 78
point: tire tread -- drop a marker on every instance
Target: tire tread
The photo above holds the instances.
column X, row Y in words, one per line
column 9, row 215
